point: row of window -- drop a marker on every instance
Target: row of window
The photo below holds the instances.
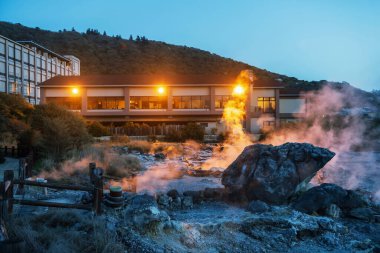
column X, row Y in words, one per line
column 27, row 89
column 14, row 53
column 264, row 104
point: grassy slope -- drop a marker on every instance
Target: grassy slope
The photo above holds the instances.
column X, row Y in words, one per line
column 101, row 54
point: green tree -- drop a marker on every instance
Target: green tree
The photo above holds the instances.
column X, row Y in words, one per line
column 61, row 131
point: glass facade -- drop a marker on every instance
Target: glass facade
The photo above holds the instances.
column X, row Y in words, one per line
column 191, row 102
column 148, row 102
column 23, row 67
column 105, row 103
column 221, row 101
column 266, row 104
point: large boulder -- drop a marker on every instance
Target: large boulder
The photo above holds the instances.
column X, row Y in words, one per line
column 273, row 173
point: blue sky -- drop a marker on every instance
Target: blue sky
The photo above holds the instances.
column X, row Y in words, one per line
column 337, row 40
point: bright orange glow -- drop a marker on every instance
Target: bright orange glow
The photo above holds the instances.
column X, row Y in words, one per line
column 75, row 91
column 161, row 90
column 238, row 90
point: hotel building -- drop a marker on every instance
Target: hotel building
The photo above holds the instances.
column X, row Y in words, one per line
column 172, row 100
column 25, row 64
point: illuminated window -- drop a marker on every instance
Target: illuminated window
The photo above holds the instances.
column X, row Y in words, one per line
column 148, row 102
column 71, row 103
column 191, row 102
column 221, row 101
column 266, row 104
column 105, row 103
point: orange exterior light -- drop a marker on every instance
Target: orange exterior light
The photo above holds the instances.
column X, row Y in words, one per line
column 75, row 91
column 161, row 90
column 238, row 90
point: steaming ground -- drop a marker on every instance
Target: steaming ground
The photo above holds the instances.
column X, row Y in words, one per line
column 355, row 170
column 221, row 227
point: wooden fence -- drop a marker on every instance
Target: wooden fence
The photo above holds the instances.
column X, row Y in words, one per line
column 14, row 151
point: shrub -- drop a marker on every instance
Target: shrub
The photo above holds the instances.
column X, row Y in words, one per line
column 123, row 166
column 66, row 230
column 120, row 138
column 61, row 131
column 96, row 129
column 140, row 146
column 191, row 131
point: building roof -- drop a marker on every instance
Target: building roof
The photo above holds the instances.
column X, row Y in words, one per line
column 30, row 42
column 151, row 79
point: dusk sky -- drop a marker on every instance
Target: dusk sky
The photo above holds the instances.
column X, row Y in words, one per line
column 311, row 40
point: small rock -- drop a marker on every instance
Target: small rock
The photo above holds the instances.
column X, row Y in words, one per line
column 213, row 193
column 197, row 196
column 257, row 206
column 173, row 193
column 333, row 211
column 329, row 239
column 187, row 202
column 163, row 200
column 176, row 203
column 86, row 198
column 159, row 156
column 320, row 198
column 142, row 211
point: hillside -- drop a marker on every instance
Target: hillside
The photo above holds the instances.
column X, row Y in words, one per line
column 102, row 54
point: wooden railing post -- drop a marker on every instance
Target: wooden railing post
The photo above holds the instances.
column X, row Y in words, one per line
column 7, row 193
column 98, row 190
column 91, row 168
column 21, row 175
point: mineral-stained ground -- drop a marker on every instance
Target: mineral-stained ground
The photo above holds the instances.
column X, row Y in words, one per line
column 185, row 220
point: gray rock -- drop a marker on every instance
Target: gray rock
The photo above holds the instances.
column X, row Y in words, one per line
column 320, row 198
column 213, row 193
column 142, row 212
column 173, row 193
column 86, row 198
column 187, row 202
column 257, row 206
column 159, row 156
column 163, row 200
column 272, row 173
column 333, row 211
column 176, row 203
column 197, row 196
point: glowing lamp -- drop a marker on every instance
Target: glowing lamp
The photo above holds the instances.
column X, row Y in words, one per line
column 161, row 90
column 75, row 91
column 238, row 90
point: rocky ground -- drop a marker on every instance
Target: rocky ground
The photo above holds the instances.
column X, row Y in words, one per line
column 177, row 214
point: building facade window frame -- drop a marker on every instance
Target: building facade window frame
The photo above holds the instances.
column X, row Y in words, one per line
column 191, row 102
column 266, row 104
column 106, row 103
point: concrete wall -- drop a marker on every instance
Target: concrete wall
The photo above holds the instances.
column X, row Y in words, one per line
column 193, row 91
column 58, row 92
column 223, row 91
column 149, row 91
column 292, row 105
column 105, row 92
